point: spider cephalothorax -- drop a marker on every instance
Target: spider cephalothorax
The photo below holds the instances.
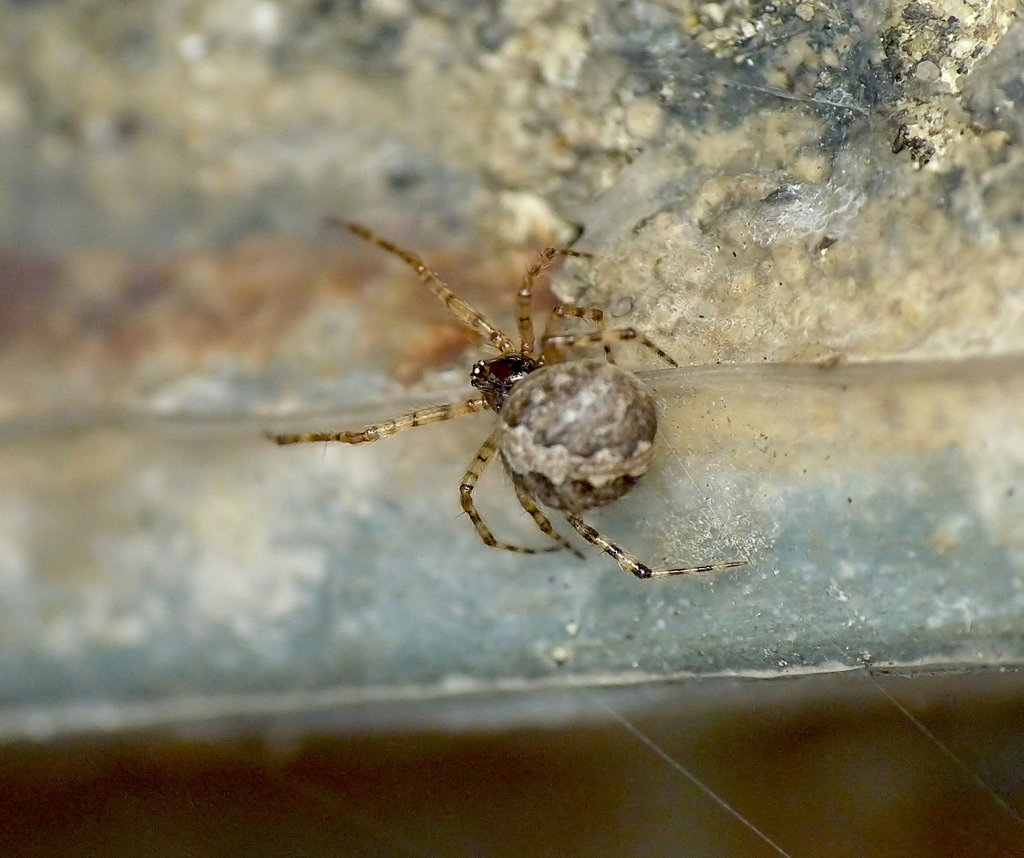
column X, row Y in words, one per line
column 496, row 377
column 572, row 434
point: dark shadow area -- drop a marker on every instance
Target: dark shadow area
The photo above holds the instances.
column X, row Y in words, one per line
column 824, row 765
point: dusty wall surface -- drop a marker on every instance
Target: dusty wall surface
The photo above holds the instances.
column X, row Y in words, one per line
column 795, row 183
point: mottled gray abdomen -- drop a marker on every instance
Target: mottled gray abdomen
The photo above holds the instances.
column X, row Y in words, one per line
column 578, row 434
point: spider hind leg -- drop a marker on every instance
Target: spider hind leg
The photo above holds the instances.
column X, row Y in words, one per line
column 468, row 484
column 542, row 521
column 632, row 564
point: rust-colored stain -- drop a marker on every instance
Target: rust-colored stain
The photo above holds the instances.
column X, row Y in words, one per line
column 238, row 302
column 437, row 345
column 120, row 310
column 28, row 286
column 111, row 316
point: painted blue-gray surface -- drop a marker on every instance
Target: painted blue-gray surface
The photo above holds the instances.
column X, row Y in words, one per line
column 197, row 566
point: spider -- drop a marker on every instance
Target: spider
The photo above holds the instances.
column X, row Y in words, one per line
column 572, row 434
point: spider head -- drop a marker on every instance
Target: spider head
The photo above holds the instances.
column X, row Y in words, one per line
column 494, row 378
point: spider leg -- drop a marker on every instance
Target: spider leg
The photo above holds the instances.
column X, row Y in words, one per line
column 607, row 338
column 375, row 431
column 545, row 260
column 541, row 520
column 452, row 302
column 630, row 563
column 564, row 311
column 476, row 467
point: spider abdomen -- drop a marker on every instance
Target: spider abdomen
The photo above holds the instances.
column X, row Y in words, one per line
column 578, row 434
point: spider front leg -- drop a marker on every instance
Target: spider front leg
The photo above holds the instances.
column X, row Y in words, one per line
column 375, row 431
column 544, row 261
column 454, row 304
column 630, row 563
column 469, row 481
column 571, row 311
column 606, row 338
